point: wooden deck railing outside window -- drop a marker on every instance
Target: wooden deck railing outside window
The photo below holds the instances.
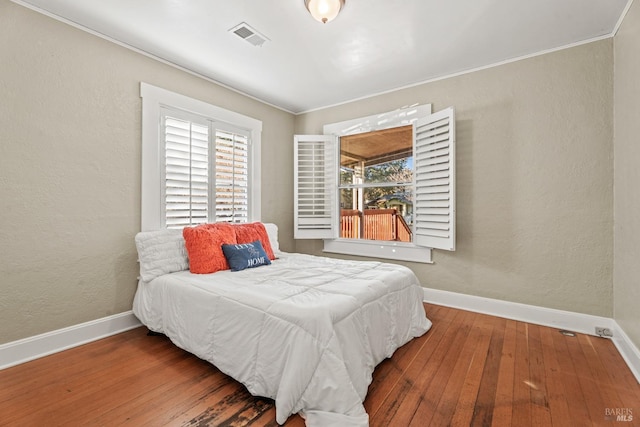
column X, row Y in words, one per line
column 374, row 224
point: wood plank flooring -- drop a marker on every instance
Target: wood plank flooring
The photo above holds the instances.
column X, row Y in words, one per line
column 468, row 370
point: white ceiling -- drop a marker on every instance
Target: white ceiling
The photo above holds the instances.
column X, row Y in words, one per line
column 373, row 46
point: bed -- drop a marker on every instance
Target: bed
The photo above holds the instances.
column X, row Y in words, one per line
column 305, row 331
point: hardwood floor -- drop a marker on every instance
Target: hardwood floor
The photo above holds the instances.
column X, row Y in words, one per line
column 468, row 370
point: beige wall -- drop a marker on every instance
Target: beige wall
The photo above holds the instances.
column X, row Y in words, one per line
column 627, row 175
column 70, row 148
column 534, row 178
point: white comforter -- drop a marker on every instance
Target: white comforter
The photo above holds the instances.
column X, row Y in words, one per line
column 306, row 331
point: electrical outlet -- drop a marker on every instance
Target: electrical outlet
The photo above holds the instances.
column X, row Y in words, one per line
column 603, row 332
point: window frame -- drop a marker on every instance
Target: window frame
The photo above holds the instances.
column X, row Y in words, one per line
column 154, row 99
column 402, row 251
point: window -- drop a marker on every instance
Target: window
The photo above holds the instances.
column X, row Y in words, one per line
column 232, row 175
column 369, row 189
column 206, row 172
column 200, row 163
column 376, row 185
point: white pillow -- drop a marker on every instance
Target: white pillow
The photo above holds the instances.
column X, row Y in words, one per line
column 272, row 232
column 161, row 252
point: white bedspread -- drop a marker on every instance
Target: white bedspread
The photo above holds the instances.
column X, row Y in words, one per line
column 306, row 331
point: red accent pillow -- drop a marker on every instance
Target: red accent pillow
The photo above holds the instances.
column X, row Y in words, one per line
column 204, row 246
column 248, row 233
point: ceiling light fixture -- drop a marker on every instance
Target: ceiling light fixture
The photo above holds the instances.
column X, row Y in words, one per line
column 324, row 10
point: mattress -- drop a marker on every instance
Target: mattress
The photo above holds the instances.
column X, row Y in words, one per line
column 305, row 331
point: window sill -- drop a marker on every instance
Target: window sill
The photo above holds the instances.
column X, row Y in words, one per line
column 379, row 249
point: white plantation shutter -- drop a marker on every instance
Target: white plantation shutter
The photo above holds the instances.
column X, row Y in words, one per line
column 435, row 208
column 315, row 186
column 186, row 172
column 206, row 171
column 232, row 176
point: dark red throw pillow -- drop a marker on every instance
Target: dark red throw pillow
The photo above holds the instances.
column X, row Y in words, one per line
column 247, row 233
column 204, row 246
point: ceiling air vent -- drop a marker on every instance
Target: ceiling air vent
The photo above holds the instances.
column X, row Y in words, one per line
column 245, row 32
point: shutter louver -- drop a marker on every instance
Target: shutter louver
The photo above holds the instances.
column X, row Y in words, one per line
column 315, row 187
column 186, row 173
column 232, row 177
column 435, row 208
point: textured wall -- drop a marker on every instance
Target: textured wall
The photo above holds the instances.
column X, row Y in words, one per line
column 534, row 178
column 627, row 175
column 70, row 116
column 535, row 174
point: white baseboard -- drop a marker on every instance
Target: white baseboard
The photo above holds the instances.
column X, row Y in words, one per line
column 24, row 350
column 576, row 322
column 627, row 350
